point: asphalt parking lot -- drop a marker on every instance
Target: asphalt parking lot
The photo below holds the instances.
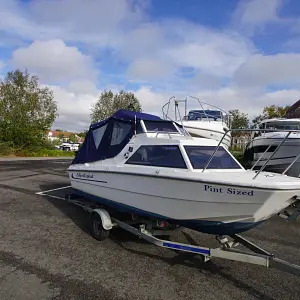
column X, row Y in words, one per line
column 46, row 251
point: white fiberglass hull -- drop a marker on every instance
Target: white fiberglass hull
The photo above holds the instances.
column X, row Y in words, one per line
column 286, row 154
column 204, row 206
column 208, row 129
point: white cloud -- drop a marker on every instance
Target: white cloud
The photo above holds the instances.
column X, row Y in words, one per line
column 151, row 101
column 74, row 107
column 171, row 45
column 123, row 27
column 54, row 61
column 255, row 14
column 90, row 21
column 260, row 71
column 149, row 69
column 175, row 55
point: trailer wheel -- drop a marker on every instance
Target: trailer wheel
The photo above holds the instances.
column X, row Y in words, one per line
column 97, row 230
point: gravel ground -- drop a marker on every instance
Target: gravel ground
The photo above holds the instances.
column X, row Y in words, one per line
column 46, row 251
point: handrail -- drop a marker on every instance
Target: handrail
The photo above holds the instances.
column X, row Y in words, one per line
column 277, row 148
column 290, row 165
column 201, row 106
column 251, row 130
column 225, row 119
column 227, row 113
column 168, row 103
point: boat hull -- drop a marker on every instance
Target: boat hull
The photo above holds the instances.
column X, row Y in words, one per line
column 210, row 130
column 213, row 209
column 286, row 154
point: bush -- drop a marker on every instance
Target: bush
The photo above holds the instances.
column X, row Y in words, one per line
column 6, row 148
column 239, row 155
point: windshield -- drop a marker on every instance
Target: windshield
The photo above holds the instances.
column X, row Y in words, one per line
column 283, row 125
column 200, row 155
column 160, row 126
column 204, row 114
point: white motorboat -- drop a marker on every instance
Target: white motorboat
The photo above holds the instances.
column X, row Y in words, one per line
column 141, row 164
column 207, row 121
column 263, row 144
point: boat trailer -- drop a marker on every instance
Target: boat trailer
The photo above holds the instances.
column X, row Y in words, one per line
column 101, row 222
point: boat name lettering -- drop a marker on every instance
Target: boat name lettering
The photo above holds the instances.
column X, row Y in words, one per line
column 231, row 191
column 84, row 175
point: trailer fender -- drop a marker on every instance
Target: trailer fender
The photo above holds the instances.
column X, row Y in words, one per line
column 105, row 218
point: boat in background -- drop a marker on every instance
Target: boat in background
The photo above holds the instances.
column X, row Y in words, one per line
column 263, row 146
column 149, row 167
column 207, row 121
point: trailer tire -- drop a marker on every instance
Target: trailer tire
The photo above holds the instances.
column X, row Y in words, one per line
column 97, row 230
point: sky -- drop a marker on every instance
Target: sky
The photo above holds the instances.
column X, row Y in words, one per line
column 235, row 54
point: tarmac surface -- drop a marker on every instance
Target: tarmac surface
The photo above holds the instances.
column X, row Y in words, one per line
column 46, row 251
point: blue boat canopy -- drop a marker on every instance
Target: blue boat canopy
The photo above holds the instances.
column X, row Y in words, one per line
column 107, row 138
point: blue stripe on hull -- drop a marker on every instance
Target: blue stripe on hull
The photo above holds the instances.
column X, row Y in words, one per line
column 210, row 227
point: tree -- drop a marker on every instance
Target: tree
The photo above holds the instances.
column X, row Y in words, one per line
column 239, row 120
column 83, row 134
column 73, row 138
column 270, row 112
column 61, row 136
column 27, row 111
column 109, row 103
column 256, row 120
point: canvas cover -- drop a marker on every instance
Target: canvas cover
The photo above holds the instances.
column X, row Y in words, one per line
column 107, row 138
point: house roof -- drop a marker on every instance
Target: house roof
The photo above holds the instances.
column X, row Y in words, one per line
column 56, row 133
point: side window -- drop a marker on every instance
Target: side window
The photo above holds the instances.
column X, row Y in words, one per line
column 200, row 155
column 98, row 135
column 158, row 156
column 120, row 131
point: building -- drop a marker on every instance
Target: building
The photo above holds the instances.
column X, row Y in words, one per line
column 240, row 142
column 63, row 136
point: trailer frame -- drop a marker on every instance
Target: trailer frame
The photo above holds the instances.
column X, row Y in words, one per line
column 143, row 229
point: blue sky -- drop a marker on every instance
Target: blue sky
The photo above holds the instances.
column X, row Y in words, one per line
column 234, row 54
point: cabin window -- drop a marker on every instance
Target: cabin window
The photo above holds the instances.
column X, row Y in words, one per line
column 168, row 156
column 98, row 135
column 200, row 155
column 119, row 133
column 160, row 126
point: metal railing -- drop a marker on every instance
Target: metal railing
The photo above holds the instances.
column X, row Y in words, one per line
column 280, row 141
column 224, row 117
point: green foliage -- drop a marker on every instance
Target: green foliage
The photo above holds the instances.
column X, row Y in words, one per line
column 73, row 138
column 61, row 136
column 6, row 148
column 27, row 111
column 45, row 150
column 256, row 120
column 44, row 153
column 275, row 111
column 109, row 103
column 239, row 120
column 239, row 156
column 83, row 134
column 270, row 112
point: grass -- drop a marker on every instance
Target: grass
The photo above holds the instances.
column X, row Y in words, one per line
column 44, row 153
column 7, row 149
